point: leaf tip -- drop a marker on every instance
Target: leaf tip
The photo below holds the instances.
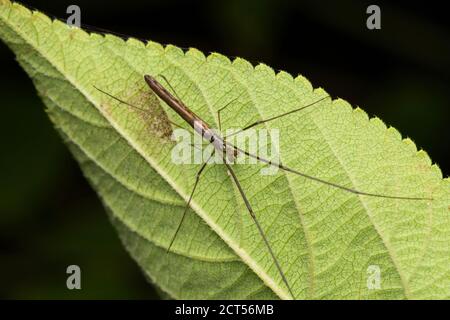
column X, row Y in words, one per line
column 174, row 51
column 361, row 113
column 394, row 133
column 265, row 69
column 423, row 155
column 284, row 76
column 217, row 57
column 341, row 103
column 154, row 46
column 37, row 15
column 303, row 82
column 196, row 54
column 113, row 38
column 378, row 123
column 18, row 7
column 242, row 64
column 135, row 42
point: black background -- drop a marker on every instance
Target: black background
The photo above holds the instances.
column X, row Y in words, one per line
column 50, row 218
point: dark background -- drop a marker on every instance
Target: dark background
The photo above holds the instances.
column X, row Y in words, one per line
column 49, row 216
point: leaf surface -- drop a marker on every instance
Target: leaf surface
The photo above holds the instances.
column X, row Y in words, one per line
column 325, row 239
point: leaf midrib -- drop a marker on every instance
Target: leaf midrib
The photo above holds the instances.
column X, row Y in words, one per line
column 255, row 104
column 300, row 214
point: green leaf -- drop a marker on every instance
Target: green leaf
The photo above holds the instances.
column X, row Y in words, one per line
column 325, row 239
